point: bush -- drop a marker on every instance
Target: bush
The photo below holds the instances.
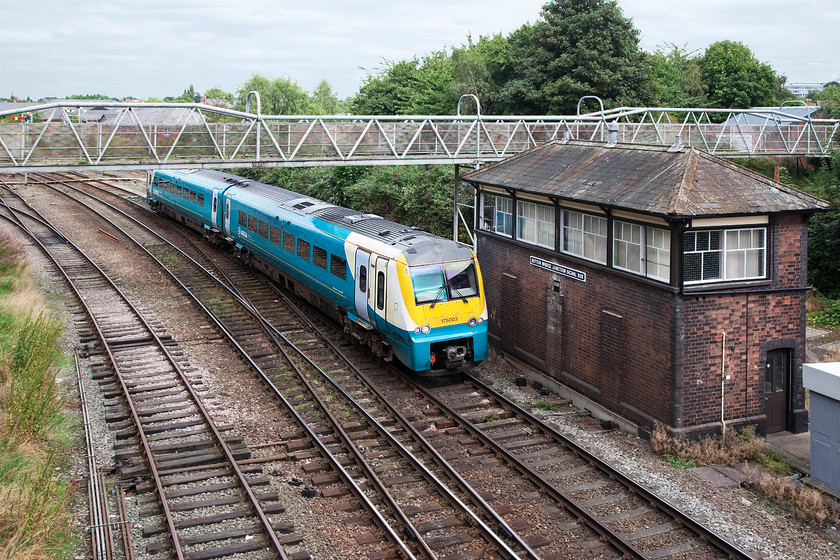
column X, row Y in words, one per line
column 806, row 503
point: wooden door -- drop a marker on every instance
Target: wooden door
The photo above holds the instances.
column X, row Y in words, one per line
column 776, row 389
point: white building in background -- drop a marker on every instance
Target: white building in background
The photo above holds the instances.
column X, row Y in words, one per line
column 803, row 89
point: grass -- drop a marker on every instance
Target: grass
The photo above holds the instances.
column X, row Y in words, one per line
column 774, row 482
column 35, row 515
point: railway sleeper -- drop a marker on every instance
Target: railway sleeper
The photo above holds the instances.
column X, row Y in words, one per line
column 144, row 487
column 268, row 509
column 154, row 509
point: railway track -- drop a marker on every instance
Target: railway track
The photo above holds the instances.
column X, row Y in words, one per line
column 546, row 496
column 452, row 528
column 154, row 403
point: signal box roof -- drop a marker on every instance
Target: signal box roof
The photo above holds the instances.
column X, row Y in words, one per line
column 656, row 180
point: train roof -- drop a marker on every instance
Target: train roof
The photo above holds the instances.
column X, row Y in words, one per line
column 418, row 246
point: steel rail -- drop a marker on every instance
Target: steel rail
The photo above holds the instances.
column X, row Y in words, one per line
column 275, row 333
column 196, row 400
column 232, row 339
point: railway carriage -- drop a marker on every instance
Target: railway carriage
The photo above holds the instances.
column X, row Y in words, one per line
column 402, row 292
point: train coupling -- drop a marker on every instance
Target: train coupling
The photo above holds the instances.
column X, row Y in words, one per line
column 455, row 356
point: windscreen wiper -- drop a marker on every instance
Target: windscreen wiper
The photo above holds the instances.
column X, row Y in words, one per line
column 441, row 292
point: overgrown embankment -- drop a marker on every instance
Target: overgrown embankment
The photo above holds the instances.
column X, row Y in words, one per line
column 35, row 516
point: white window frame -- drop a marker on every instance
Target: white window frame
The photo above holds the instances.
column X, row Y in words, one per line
column 540, row 221
column 739, row 248
column 500, row 205
column 653, row 245
column 576, row 235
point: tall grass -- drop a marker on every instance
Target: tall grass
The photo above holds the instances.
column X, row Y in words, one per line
column 35, row 517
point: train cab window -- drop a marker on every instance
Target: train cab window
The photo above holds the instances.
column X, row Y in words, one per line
column 363, row 278
column 319, row 257
column 264, row 229
column 199, row 199
column 338, row 267
column 275, row 235
column 192, row 196
column 380, row 290
column 289, row 242
column 243, row 219
column 253, row 224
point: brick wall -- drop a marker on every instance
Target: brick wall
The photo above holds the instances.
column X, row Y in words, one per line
column 614, row 332
column 644, row 351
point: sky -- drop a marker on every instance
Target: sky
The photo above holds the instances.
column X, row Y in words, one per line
column 158, row 48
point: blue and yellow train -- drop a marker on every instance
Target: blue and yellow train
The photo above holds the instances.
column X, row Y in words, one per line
column 402, row 292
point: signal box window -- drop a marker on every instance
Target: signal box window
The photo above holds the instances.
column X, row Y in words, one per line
column 585, row 235
column 338, row 267
column 735, row 254
column 536, row 223
column 497, row 214
column 319, row 257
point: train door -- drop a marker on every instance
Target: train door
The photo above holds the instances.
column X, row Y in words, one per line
column 378, row 294
column 214, row 209
column 361, row 289
column 227, row 217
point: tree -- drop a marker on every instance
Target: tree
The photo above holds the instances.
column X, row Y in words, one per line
column 324, row 99
column 219, row 95
column 409, row 87
column 824, row 229
column 829, row 100
column 278, row 96
column 676, row 77
column 582, row 47
column 736, row 79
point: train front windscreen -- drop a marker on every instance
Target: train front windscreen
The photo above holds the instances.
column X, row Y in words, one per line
column 440, row 282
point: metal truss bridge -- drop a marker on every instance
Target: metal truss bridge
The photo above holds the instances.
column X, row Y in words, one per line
column 79, row 135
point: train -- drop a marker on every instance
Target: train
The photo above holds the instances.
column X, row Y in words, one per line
column 402, row 292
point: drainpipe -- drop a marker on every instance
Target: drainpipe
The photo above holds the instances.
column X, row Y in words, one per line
column 722, row 379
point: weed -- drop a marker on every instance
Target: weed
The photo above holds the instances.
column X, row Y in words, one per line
column 828, row 317
column 679, row 462
column 545, row 405
column 806, row 503
column 492, row 418
column 732, row 447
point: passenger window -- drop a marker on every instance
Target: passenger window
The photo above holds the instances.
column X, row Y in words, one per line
column 179, row 190
column 275, row 235
column 380, row 290
column 199, row 199
column 243, row 219
column 289, row 242
column 253, row 224
column 264, row 229
column 363, row 279
column 303, row 249
column 192, row 196
column 227, row 212
column 215, row 203
column 319, row 257
column 338, row 267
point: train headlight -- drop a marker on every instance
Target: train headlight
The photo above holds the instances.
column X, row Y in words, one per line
column 480, row 320
column 417, row 330
column 472, row 322
column 426, row 329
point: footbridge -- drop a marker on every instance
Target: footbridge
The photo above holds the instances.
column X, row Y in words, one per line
column 79, row 135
